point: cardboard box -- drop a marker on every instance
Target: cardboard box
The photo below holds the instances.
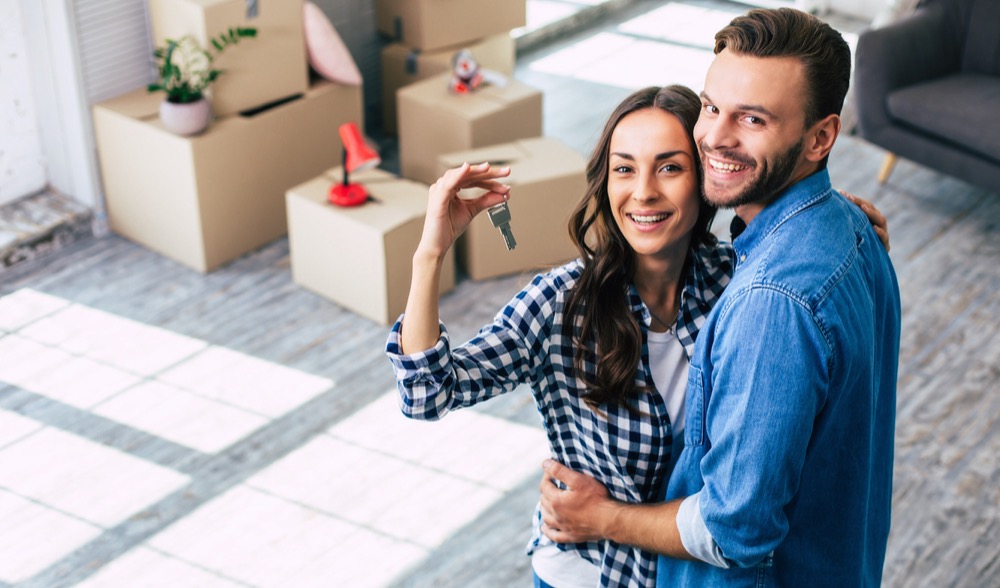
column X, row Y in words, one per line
column 433, row 24
column 434, row 121
column 256, row 71
column 360, row 257
column 207, row 199
column 403, row 65
column 547, row 181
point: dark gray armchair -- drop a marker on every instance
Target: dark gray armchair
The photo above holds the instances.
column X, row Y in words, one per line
column 928, row 89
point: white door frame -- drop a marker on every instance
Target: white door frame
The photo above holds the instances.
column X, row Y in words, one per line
column 64, row 118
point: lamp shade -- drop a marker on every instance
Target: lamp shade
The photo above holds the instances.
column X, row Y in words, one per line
column 359, row 155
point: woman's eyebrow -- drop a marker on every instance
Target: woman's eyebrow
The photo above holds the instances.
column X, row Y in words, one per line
column 659, row 156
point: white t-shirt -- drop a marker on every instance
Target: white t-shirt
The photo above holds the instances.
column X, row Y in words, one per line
column 564, row 569
column 669, row 366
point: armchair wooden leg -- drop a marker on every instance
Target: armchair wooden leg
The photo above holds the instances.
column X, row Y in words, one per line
column 887, row 164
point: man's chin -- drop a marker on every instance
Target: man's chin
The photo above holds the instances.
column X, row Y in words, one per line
column 723, row 198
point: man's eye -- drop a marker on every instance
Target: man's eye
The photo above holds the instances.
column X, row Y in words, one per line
column 755, row 120
column 711, row 109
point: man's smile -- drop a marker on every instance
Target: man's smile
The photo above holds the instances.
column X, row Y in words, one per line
column 725, row 167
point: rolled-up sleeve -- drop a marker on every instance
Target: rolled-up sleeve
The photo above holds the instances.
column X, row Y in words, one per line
column 423, row 379
column 695, row 536
column 501, row 356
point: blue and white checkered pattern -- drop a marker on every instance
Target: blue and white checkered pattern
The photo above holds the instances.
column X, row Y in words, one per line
column 525, row 345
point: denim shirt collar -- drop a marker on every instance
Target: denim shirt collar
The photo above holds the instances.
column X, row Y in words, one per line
column 795, row 198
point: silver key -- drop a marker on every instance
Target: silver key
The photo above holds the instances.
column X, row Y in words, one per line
column 500, row 217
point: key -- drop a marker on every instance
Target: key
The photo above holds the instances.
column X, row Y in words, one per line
column 500, row 217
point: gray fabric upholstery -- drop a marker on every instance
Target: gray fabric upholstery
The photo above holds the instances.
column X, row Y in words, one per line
column 961, row 103
column 982, row 47
column 928, row 88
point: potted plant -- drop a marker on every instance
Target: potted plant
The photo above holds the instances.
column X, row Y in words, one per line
column 185, row 70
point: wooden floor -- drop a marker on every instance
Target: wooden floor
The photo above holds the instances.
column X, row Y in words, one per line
column 946, row 251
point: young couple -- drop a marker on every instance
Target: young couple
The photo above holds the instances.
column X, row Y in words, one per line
column 728, row 407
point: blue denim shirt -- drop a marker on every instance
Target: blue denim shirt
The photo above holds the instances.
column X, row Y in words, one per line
column 791, row 403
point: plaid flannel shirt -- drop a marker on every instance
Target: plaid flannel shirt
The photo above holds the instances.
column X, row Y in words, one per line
column 525, row 345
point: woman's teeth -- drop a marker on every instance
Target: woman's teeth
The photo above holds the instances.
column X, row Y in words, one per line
column 648, row 219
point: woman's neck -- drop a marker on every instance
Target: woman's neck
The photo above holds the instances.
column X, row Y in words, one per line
column 659, row 283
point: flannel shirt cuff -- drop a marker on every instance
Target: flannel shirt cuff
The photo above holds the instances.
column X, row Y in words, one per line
column 407, row 365
column 421, row 377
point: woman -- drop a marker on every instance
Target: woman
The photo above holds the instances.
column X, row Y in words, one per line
column 603, row 341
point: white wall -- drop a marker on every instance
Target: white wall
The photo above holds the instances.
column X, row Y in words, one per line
column 22, row 164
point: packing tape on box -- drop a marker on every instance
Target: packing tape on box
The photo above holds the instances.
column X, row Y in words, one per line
column 412, row 57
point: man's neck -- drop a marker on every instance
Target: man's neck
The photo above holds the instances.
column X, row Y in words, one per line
column 750, row 211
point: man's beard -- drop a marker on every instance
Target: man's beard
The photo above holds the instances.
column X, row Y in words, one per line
column 765, row 186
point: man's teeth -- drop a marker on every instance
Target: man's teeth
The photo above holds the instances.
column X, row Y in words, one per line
column 648, row 218
column 726, row 167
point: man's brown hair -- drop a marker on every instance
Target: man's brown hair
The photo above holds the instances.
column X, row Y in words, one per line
column 786, row 32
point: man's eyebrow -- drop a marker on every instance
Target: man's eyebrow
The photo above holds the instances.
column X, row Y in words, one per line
column 756, row 108
column 746, row 107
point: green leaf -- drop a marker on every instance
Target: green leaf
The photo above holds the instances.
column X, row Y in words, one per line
column 185, row 82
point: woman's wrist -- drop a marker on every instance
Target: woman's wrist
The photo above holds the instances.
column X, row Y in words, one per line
column 428, row 259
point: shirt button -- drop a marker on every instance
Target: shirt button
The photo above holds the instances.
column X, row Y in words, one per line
column 743, row 258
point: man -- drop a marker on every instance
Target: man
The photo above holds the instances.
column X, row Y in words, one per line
column 786, row 473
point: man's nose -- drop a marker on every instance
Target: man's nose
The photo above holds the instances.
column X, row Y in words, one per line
column 719, row 133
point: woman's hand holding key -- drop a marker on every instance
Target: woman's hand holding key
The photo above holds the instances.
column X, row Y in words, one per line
column 449, row 213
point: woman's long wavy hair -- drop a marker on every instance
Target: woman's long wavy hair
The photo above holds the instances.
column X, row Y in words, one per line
column 599, row 320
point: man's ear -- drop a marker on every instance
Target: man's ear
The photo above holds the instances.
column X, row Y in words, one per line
column 821, row 137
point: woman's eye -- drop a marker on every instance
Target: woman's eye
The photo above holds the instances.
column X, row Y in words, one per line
column 621, row 169
column 671, row 168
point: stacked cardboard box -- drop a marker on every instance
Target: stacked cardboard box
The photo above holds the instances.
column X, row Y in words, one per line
column 434, row 121
column 360, row 257
column 547, row 180
column 428, row 33
column 439, row 129
column 206, row 199
column 435, row 24
column 403, row 65
column 258, row 71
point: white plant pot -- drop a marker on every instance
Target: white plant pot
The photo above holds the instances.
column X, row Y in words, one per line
column 186, row 119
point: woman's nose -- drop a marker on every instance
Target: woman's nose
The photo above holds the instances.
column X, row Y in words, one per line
column 647, row 188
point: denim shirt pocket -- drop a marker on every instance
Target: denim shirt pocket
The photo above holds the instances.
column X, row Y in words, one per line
column 694, row 430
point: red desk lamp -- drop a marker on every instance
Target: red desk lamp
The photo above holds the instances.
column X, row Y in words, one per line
column 358, row 156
